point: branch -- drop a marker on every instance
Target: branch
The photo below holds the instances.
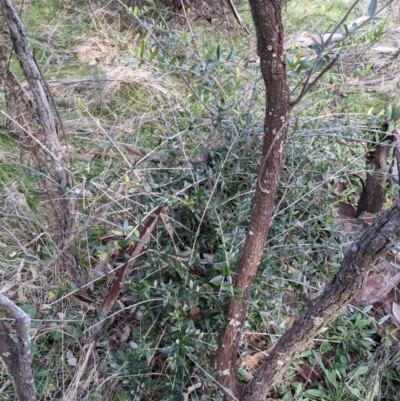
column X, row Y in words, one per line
column 68, row 212
column 377, row 240
column 306, row 86
column 230, row 4
column 16, row 355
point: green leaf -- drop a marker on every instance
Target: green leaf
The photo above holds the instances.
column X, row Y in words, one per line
column 317, row 48
column 142, row 49
column 315, row 393
column 217, row 280
column 372, row 8
column 29, row 310
column 153, row 54
column 353, row 27
column 367, row 309
column 173, row 59
column 319, row 64
column 355, row 391
column 360, row 371
column 123, row 396
column 383, row 320
column 389, row 112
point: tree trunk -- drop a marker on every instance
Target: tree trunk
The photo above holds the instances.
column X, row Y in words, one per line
column 374, row 189
column 66, row 226
column 377, row 240
column 270, row 50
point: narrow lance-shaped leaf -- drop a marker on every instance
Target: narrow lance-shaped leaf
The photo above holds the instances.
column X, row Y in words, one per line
column 372, row 8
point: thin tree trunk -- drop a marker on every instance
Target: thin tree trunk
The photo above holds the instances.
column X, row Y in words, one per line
column 374, row 188
column 267, row 19
column 377, row 240
column 56, row 155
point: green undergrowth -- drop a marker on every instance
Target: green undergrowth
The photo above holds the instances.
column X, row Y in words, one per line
column 309, row 15
column 192, row 105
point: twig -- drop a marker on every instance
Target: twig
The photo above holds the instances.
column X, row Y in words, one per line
column 16, row 216
column 306, row 87
column 20, row 245
column 156, row 159
column 5, row 385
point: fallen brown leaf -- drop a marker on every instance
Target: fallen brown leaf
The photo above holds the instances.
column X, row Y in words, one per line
column 376, row 289
column 252, row 361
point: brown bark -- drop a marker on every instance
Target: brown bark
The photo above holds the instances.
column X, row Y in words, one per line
column 354, row 270
column 267, row 19
column 377, row 240
column 16, row 355
column 374, row 189
column 66, row 226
